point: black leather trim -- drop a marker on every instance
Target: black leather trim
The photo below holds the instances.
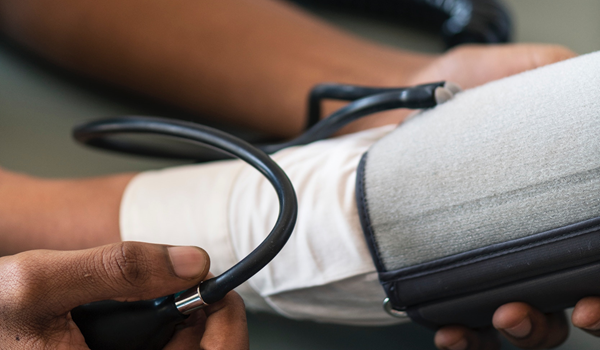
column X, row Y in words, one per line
column 363, row 213
column 495, row 265
column 497, row 249
column 548, row 293
column 550, row 270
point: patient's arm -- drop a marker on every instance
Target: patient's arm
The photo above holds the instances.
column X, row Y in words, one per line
column 80, row 213
column 58, row 214
column 92, row 206
column 72, row 214
column 250, row 63
column 506, row 113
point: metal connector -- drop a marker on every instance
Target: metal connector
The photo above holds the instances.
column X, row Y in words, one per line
column 387, row 306
column 190, row 301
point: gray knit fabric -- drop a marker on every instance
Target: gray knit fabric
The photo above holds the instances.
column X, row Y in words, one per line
column 506, row 160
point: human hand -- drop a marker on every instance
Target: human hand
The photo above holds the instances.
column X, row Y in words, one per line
column 474, row 65
column 468, row 66
column 41, row 287
column 523, row 326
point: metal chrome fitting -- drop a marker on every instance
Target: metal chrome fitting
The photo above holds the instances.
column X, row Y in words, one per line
column 190, row 301
column 387, row 306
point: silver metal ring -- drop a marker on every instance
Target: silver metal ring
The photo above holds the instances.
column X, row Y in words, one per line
column 190, row 301
column 387, row 306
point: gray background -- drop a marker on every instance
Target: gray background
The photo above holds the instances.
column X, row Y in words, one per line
column 39, row 105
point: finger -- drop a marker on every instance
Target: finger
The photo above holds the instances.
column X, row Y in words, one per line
column 189, row 334
column 516, row 58
column 125, row 271
column 473, row 65
column 226, row 326
column 586, row 315
column 528, row 328
column 462, row 338
column 541, row 55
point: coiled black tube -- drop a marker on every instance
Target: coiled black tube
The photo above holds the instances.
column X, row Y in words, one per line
column 366, row 100
column 212, row 290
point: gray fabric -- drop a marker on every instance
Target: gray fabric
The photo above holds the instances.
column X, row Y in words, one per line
column 506, row 160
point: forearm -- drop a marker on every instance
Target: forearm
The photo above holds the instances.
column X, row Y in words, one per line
column 58, row 214
column 226, row 58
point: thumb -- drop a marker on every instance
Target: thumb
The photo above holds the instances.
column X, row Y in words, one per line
column 531, row 56
column 473, row 65
column 127, row 271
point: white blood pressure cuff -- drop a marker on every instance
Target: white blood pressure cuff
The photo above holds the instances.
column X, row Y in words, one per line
column 490, row 198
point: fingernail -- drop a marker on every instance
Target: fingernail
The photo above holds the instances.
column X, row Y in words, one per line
column 188, row 262
column 460, row 345
column 442, row 95
column 521, row 330
column 453, row 87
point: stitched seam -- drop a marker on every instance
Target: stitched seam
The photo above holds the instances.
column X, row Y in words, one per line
column 470, row 261
column 364, row 216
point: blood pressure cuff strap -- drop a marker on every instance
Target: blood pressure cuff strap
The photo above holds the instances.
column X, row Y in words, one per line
column 490, row 198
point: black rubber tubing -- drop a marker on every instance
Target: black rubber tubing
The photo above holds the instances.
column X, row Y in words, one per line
column 216, row 288
column 366, row 101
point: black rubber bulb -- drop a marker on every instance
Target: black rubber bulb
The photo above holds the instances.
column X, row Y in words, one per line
column 141, row 325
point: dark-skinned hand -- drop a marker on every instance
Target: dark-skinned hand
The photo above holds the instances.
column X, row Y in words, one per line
column 41, row 287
